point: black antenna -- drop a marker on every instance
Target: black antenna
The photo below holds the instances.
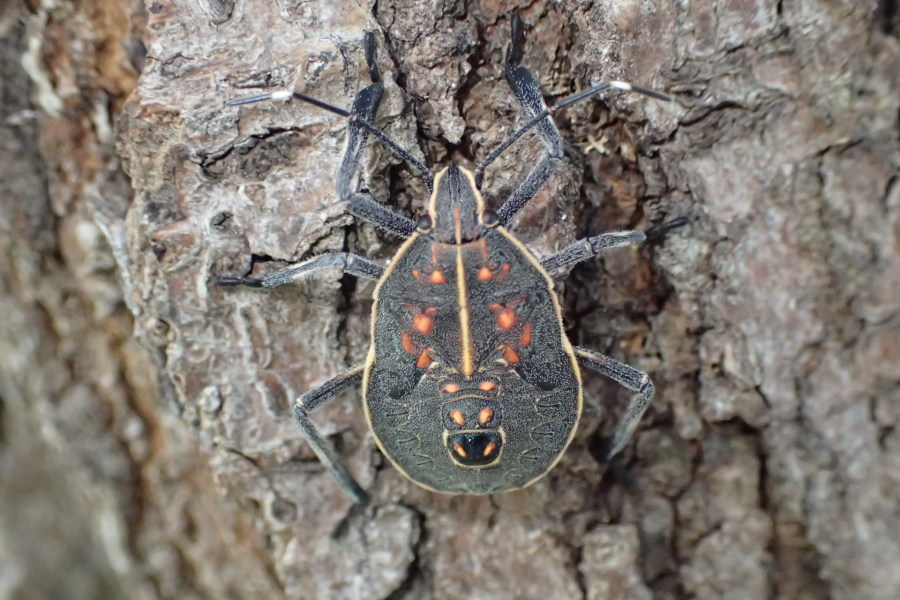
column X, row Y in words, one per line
column 288, row 95
column 375, row 76
column 621, row 85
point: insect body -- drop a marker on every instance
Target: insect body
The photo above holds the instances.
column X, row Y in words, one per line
column 470, row 384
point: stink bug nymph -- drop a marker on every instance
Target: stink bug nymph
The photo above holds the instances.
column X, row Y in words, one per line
column 470, row 385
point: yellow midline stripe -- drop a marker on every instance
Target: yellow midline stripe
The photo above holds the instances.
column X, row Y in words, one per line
column 462, row 292
column 463, row 314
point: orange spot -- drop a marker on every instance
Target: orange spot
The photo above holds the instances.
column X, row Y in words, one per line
column 437, row 277
column 459, row 450
column 482, row 244
column 416, row 273
column 450, row 388
column 457, row 417
column 506, row 319
column 510, row 355
column 504, row 270
column 489, row 449
column 526, row 336
column 487, row 386
column 423, row 324
column 407, row 343
column 484, row 274
column 424, row 359
column 485, row 415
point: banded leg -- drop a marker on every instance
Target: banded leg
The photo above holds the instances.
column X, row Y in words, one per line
column 629, row 377
column 348, row 263
column 365, row 105
column 317, row 398
column 528, row 93
column 582, row 250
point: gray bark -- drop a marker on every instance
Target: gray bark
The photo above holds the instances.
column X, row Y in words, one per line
column 166, row 465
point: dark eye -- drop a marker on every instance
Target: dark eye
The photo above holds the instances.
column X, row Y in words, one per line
column 489, row 218
column 424, row 223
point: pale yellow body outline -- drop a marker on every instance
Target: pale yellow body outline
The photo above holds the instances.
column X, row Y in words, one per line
column 464, row 333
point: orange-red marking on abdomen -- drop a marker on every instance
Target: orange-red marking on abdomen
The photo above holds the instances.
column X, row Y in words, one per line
column 526, row 336
column 457, row 417
column 437, row 277
column 485, row 273
column 487, row 386
column 424, row 359
column 423, row 324
column 407, row 343
column 509, row 355
column 505, row 316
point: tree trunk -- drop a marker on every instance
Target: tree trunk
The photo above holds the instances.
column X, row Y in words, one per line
column 167, row 465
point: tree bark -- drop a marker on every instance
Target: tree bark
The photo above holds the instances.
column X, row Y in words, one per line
column 167, row 465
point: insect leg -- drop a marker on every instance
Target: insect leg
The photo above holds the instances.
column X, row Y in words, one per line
column 348, row 263
column 629, row 377
column 529, row 95
column 365, row 105
column 314, row 399
column 582, row 250
column 362, row 206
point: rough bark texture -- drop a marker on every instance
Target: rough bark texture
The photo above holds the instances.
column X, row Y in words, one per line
column 167, row 465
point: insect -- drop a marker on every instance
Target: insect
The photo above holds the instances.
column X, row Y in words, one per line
column 470, row 384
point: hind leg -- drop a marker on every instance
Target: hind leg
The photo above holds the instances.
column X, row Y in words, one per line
column 629, row 377
column 314, row 399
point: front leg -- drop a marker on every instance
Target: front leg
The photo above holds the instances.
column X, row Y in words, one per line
column 359, row 203
column 348, row 263
column 529, row 95
column 629, row 377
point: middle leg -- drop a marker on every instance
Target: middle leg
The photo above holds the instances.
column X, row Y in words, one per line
column 348, row 263
column 582, row 250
